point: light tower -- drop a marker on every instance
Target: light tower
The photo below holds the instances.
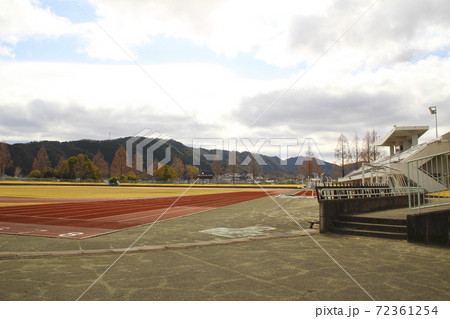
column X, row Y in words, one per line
column 433, row 110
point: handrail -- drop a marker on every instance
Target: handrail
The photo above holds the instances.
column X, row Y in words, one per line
column 432, row 174
column 329, row 193
column 428, row 156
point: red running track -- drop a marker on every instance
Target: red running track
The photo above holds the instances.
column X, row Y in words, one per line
column 91, row 218
column 307, row 193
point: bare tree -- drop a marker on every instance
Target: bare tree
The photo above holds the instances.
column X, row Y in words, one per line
column 370, row 152
column 365, row 151
column 342, row 153
column 376, row 154
column 356, row 150
column 119, row 166
column 233, row 169
column 310, row 164
column 102, row 165
column 253, row 168
column 178, row 166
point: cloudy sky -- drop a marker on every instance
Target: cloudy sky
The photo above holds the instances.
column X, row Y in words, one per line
column 75, row 69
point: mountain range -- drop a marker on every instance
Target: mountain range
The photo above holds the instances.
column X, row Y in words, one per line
column 23, row 154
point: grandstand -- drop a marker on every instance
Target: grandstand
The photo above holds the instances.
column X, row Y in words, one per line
column 430, row 158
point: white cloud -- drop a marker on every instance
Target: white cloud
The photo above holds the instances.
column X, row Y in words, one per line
column 7, row 51
column 226, row 27
column 355, row 102
column 205, row 92
column 59, row 100
column 22, row 19
column 282, row 33
column 385, row 70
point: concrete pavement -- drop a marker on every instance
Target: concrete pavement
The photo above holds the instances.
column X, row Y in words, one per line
column 274, row 261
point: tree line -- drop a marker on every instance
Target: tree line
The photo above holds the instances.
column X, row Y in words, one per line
column 357, row 151
column 96, row 168
column 83, row 168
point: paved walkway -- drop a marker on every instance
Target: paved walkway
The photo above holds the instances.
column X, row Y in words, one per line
column 193, row 259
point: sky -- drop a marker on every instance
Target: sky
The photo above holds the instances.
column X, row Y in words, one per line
column 223, row 70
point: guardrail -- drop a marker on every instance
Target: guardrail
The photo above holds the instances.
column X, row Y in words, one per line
column 329, row 193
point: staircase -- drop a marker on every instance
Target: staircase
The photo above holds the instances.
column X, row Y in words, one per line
column 370, row 226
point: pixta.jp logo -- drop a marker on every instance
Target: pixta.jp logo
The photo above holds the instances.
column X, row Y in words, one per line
column 283, row 148
column 150, row 141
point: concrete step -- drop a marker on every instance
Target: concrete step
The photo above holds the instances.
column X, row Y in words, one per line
column 372, row 220
column 401, row 229
column 370, row 233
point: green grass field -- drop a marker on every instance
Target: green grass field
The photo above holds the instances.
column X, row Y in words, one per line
column 52, row 191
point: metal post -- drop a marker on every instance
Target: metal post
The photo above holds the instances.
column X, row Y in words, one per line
column 418, row 183
column 433, row 110
column 442, row 175
column 435, row 118
column 362, row 173
column 447, row 180
column 409, row 188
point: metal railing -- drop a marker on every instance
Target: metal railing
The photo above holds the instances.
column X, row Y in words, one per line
column 428, row 181
column 328, row 193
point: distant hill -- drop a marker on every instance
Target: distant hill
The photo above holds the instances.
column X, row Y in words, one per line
column 23, row 154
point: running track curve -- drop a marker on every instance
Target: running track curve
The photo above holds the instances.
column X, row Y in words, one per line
column 89, row 218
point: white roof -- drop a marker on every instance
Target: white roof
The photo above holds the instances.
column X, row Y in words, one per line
column 401, row 133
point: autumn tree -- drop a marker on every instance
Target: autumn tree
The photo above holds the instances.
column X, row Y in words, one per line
column 41, row 161
column 217, row 167
column 119, row 164
column 102, row 165
column 192, row 171
column 166, row 173
column 62, row 169
column 310, row 164
column 5, row 158
column 49, row 173
column 34, row 174
column 178, row 166
column 81, row 167
column 342, row 153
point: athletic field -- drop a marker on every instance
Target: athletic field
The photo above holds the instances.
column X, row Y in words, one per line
column 69, row 211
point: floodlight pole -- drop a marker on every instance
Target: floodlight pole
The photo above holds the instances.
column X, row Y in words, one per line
column 435, row 121
column 433, row 110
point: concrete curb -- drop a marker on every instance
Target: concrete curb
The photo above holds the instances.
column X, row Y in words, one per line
column 149, row 248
